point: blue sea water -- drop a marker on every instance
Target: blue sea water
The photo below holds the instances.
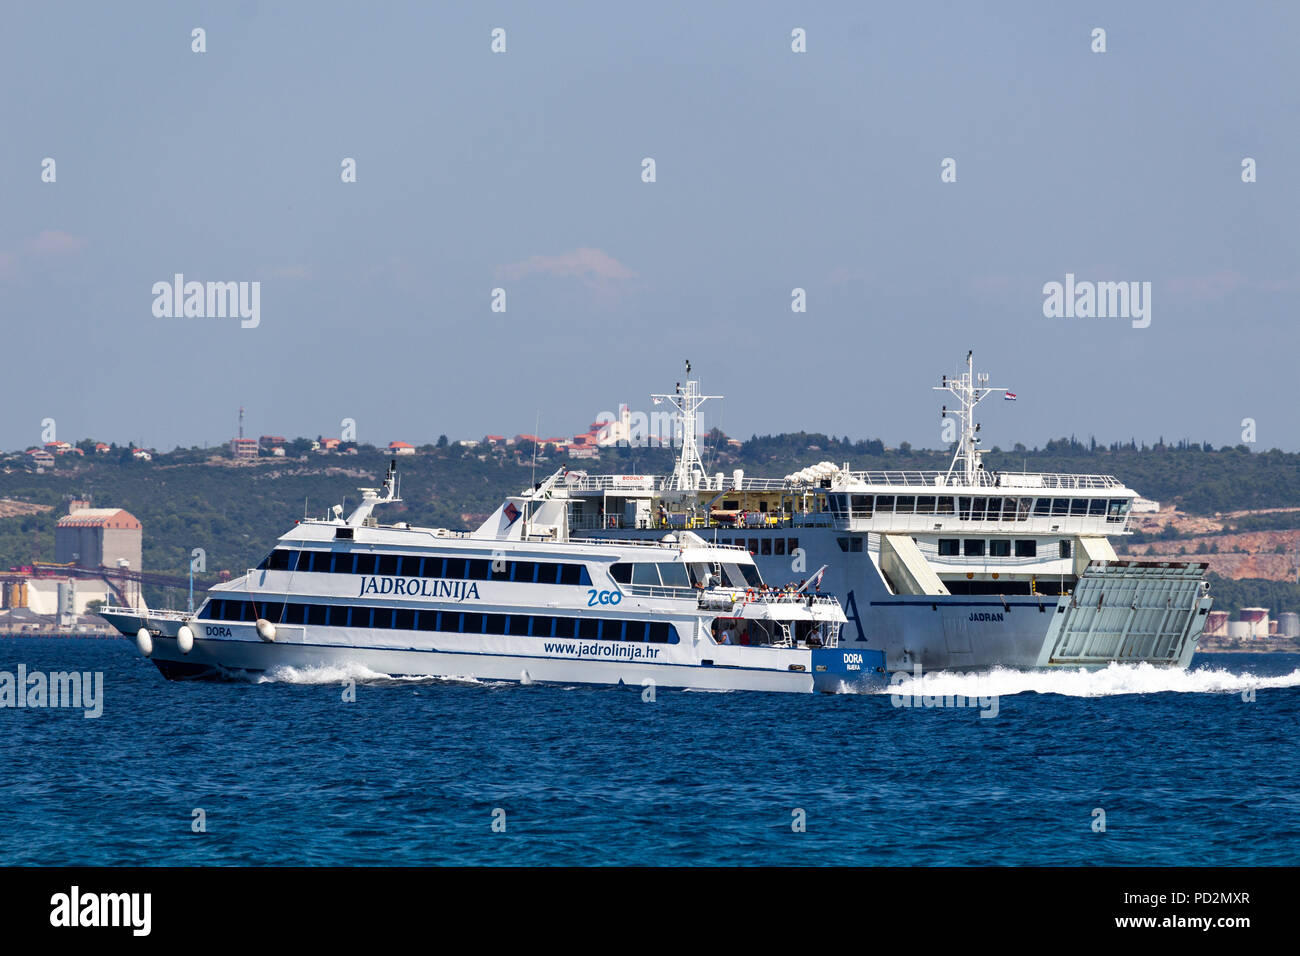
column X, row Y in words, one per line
column 1187, row 768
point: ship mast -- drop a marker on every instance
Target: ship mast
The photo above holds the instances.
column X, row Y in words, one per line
column 970, row 390
column 689, row 471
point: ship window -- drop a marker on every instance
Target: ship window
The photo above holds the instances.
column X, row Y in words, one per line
column 861, row 506
column 661, row 632
column 974, row 547
column 278, row 560
column 765, row 546
column 574, row 574
column 548, row 573
column 525, row 572
column 855, row 544
column 731, row 505
column 429, row 621
column 843, row 543
column 566, row 626
column 885, row 503
column 1026, row 548
column 272, row 610
column 621, row 572
column 905, row 504
column 387, row 565
column 384, row 617
column 449, row 621
column 778, row 546
column 925, row 504
column 949, row 547
column 611, row 630
column 588, row 628
column 1042, row 506
column 404, row 619
column 499, row 569
column 1008, row 509
column 793, row 544
column 635, row 631
column 1097, row 506
column 753, row 546
column 295, row 614
column 1025, row 505
column 518, row 625
column 646, row 575
column 1118, row 506
column 944, row 503
column 494, row 623
column 365, row 564
column 477, row 569
column 1060, row 507
column 992, row 508
column 343, row 561
column 1065, row 549
column 433, row 568
column 317, row 614
column 1000, row 548
column 1079, row 506
column 472, row 623
column 674, row 575
column 406, row 565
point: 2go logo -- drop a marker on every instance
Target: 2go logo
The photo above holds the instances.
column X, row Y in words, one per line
column 595, row 597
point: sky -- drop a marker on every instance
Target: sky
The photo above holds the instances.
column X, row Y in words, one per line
column 522, row 170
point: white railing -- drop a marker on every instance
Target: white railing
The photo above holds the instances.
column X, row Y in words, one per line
column 1021, row 481
column 1017, row 481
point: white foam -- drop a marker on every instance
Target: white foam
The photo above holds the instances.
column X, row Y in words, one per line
column 342, row 673
column 1112, row 680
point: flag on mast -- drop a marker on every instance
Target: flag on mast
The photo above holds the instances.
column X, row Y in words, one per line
column 1009, row 396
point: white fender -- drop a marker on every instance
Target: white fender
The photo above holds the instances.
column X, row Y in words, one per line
column 144, row 642
column 185, row 639
column 265, row 629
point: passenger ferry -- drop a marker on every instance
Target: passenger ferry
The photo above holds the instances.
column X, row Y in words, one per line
column 518, row 599
column 959, row 569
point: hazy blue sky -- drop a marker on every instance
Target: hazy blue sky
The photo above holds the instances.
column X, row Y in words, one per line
column 522, row 170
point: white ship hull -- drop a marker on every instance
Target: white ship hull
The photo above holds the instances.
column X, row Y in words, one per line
column 224, row 651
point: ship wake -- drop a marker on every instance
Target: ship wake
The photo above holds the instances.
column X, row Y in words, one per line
column 1112, row 681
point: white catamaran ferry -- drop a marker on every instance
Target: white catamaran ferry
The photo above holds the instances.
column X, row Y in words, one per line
column 957, row 569
column 519, row 599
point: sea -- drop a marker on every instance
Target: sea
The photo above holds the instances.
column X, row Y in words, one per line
column 1127, row 766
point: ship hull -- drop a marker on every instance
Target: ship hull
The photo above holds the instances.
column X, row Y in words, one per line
column 238, row 652
column 985, row 631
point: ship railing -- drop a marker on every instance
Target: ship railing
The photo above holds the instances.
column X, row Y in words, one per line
column 654, row 543
column 983, row 479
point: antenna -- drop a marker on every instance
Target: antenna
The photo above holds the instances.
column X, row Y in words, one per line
column 537, row 438
column 689, row 472
column 241, row 421
column 970, row 390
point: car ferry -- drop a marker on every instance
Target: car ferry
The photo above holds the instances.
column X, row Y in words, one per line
column 962, row 569
column 518, row 599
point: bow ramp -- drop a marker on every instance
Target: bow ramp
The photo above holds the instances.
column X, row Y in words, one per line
column 1129, row 611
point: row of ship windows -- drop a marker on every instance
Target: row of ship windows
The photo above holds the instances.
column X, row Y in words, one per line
column 455, row 622
column 977, row 508
column 424, row 566
column 764, row 545
column 974, row 547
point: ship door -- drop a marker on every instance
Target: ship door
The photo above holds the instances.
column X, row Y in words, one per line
column 956, row 634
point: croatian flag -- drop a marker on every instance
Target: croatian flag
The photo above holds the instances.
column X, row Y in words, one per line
column 817, row 579
column 1009, row 396
column 657, row 400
